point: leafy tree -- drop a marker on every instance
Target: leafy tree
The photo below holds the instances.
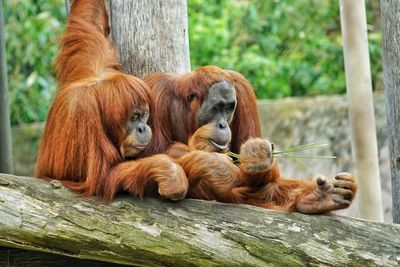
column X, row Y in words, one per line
column 32, row 32
column 286, row 48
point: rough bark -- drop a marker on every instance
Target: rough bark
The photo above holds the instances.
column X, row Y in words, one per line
column 361, row 109
column 45, row 217
column 391, row 80
column 6, row 164
column 151, row 35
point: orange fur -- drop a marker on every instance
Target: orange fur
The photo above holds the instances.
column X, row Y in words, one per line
column 86, row 123
column 175, row 120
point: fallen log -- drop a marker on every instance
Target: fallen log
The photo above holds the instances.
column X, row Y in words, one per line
column 45, row 217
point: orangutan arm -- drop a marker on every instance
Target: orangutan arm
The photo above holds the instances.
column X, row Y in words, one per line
column 210, row 174
column 144, row 176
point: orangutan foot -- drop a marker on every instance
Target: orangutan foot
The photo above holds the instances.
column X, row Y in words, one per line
column 256, row 156
column 329, row 195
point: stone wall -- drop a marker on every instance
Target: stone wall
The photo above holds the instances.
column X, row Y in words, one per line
column 287, row 122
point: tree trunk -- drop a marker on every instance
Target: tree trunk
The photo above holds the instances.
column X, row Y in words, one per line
column 6, row 163
column 151, row 35
column 46, row 217
column 391, row 78
column 361, row 110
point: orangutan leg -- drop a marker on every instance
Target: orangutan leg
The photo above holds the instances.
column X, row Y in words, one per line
column 269, row 190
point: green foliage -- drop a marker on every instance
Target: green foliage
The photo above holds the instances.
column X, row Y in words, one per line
column 285, row 48
column 31, row 32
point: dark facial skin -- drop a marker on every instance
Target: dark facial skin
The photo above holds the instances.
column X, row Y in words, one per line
column 138, row 133
column 218, row 108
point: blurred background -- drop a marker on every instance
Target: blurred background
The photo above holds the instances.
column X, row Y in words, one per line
column 285, row 48
column 291, row 51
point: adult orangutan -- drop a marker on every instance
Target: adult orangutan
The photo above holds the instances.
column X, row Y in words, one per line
column 99, row 119
column 215, row 110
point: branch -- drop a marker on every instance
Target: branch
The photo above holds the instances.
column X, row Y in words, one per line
column 46, row 217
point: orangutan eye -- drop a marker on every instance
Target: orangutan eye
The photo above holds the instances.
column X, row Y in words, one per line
column 230, row 107
column 135, row 117
column 190, row 97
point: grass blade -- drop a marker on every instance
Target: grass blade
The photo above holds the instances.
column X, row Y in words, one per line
column 294, row 156
column 299, row 148
column 303, row 165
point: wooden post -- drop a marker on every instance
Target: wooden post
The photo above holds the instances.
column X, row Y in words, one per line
column 361, row 109
column 391, row 79
column 151, row 35
column 6, row 163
